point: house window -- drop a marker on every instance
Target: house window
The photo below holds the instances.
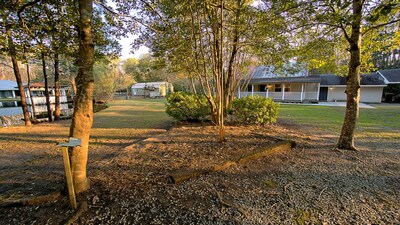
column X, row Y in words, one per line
column 278, row 87
column 249, row 88
column 262, row 88
column 287, row 87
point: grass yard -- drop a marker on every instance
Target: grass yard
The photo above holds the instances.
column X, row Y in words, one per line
column 375, row 126
column 134, row 113
column 383, row 117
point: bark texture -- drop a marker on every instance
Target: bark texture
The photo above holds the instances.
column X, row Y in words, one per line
column 346, row 140
column 17, row 74
column 83, row 105
column 57, row 110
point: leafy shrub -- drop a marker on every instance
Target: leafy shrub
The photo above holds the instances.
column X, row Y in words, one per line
column 255, row 110
column 185, row 106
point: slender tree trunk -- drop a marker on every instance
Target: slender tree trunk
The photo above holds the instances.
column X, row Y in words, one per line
column 17, row 74
column 232, row 59
column 346, row 140
column 83, row 106
column 30, row 92
column 57, row 110
column 46, row 89
column 221, row 77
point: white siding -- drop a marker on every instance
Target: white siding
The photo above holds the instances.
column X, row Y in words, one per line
column 371, row 94
column 368, row 94
column 336, row 93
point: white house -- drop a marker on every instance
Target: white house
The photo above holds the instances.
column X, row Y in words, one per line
column 312, row 88
column 332, row 88
column 152, row 89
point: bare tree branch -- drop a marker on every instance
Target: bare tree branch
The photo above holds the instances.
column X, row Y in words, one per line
column 126, row 16
column 379, row 25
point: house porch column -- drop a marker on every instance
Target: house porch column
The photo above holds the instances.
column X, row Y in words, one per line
column 239, row 91
column 252, row 90
column 283, row 91
column 302, row 94
column 319, row 84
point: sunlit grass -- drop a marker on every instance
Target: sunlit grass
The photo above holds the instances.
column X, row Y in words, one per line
column 382, row 119
column 133, row 113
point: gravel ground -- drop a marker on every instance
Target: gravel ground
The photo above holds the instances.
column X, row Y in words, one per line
column 312, row 184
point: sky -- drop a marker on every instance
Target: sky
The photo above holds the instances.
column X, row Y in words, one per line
column 126, row 48
column 126, row 43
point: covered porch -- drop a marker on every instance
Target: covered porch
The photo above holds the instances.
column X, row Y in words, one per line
column 283, row 92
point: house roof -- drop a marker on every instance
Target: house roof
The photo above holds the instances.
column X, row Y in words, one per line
column 151, row 84
column 289, row 70
column 323, row 79
column 272, row 80
column 366, row 79
column 391, row 76
column 8, row 85
column 42, row 85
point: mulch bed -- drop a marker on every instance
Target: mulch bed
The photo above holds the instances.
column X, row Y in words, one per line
column 312, row 184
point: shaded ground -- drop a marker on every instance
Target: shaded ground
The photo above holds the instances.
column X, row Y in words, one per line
column 311, row 184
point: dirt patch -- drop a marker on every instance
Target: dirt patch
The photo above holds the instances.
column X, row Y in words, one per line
column 313, row 183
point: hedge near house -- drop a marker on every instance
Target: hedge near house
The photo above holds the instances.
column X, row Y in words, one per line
column 185, row 106
column 255, row 110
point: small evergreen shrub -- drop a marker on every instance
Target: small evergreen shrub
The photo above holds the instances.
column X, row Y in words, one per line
column 255, row 110
column 184, row 106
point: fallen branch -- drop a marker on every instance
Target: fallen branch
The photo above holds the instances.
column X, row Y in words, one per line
column 37, row 200
column 183, row 175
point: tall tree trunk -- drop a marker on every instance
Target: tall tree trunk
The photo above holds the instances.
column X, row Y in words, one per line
column 30, row 92
column 222, row 90
column 57, row 88
column 346, row 140
column 17, row 74
column 83, row 106
column 230, row 74
column 46, row 89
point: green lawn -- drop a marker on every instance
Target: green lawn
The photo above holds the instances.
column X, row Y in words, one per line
column 133, row 113
column 382, row 118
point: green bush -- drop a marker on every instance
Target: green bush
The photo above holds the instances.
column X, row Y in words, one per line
column 184, row 106
column 255, row 110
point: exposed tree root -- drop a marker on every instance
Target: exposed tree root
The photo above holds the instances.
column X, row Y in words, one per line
column 37, row 200
column 183, row 175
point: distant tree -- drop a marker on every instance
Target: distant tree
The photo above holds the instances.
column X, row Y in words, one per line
column 110, row 77
column 147, row 69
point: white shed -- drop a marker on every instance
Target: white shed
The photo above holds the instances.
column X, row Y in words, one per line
column 152, row 89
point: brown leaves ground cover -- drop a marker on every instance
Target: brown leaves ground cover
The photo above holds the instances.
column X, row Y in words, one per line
column 314, row 183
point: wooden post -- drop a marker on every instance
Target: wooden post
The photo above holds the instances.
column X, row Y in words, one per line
column 72, row 142
column 68, row 175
